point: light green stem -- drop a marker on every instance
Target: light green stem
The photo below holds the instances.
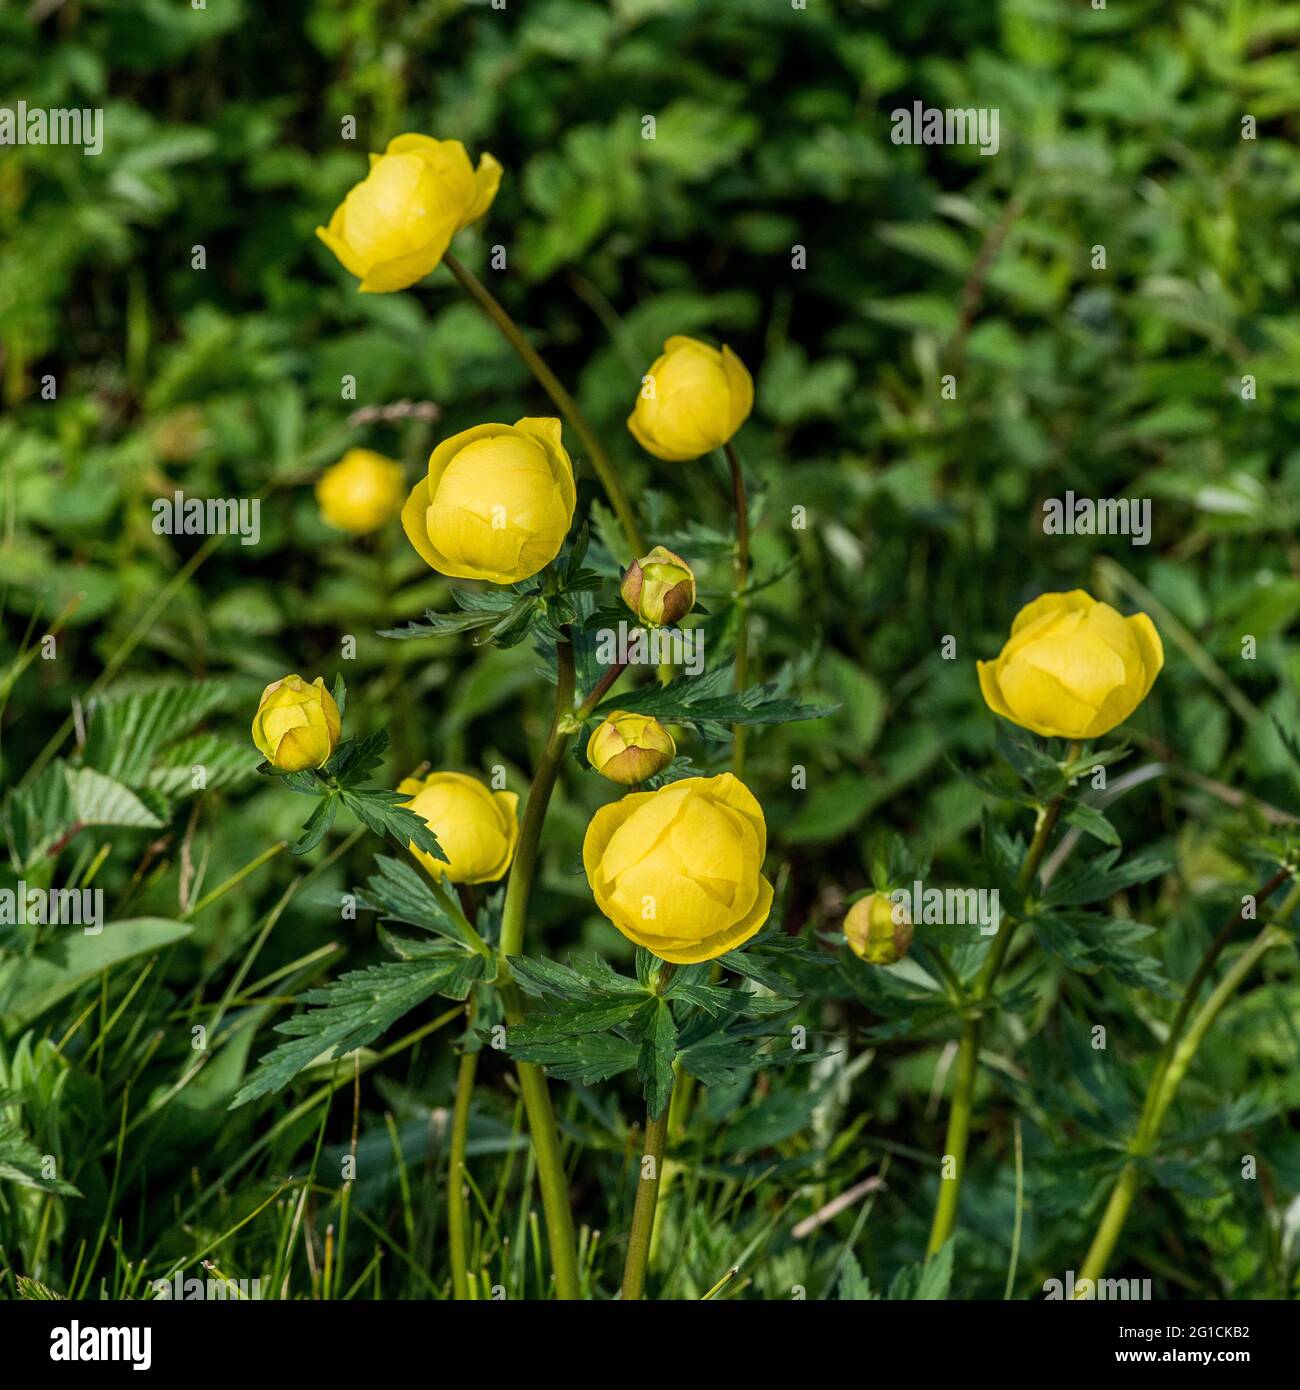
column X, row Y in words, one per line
column 1165, row 1082
column 959, row 1117
column 740, row 581
column 555, row 389
column 641, row 1237
column 457, row 1208
column 643, row 1213
column 532, row 1081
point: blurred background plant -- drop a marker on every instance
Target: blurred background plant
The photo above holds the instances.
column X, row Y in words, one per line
column 891, row 517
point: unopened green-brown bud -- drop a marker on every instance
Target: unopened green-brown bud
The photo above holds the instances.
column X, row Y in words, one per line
column 659, row 588
column 878, row 929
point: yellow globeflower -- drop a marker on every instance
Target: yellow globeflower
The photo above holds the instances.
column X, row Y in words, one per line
column 628, row 748
column 878, row 929
column 1072, row 667
column 296, row 725
column 394, row 226
column 361, row 492
column 477, row 828
column 679, row 870
column 692, row 400
column 496, row 503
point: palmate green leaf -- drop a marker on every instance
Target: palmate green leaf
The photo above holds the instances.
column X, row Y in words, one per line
column 1067, row 1183
column 549, row 979
column 1187, row 1178
column 588, row 979
column 402, row 894
column 577, row 1020
column 354, row 1010
column 1089, row 942
column 355, row 759
column 999, row 781
column 584, row 1060
column 720, row 1052
column 1032, row 760
column 775, row 960
column 1247, row 1111
column 1002, row 855
column 654, row 1064
column 502, row 615
column 1104, row 876
column 695, row 700
column 317, row 825
column 386, row 813
column 1090, row 819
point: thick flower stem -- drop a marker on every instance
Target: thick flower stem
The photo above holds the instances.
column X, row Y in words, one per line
column 457, row 1209
column 640, row 1240
column 532, row 1081
column 647, row 1200
column 1172, row 1066
column 740, row 571
column 959, row 1117
column 554, row 388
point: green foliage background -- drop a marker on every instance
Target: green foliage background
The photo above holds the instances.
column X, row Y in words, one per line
column 1120, row 128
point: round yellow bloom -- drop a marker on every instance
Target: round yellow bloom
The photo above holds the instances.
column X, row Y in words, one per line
column 1072, row 667
column 296, row 725
column 659, row 588
column 628, row 748
column 679, row 870
column 878, row 929
column 361, row 492
column 477, row 828
column 394, row 226
column 692, row 400
column 496, row 504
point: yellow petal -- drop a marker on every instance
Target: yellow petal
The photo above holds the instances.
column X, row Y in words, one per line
column 718, row 944
column 487, row 179
column 332, row 238
column 1076, row 601
column 415, row 523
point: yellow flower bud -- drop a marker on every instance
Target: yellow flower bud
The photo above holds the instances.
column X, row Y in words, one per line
column 679, row 870
column 692, row 400
column 394, row 226
column 496, row 504
column 628, row 748
column 1072, row 667
column 296, row 725
column 361, row 492
column 659, row 588
column 477, row 828
column 878, row 929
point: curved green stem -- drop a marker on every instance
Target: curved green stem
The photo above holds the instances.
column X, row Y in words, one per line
column 647, row 1200
column 959, row 1117
column 555, row 389
column 457, row 1208
column 532, row 1081
column 640, row 1238
column 1170, row 1070
column 740, row 579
